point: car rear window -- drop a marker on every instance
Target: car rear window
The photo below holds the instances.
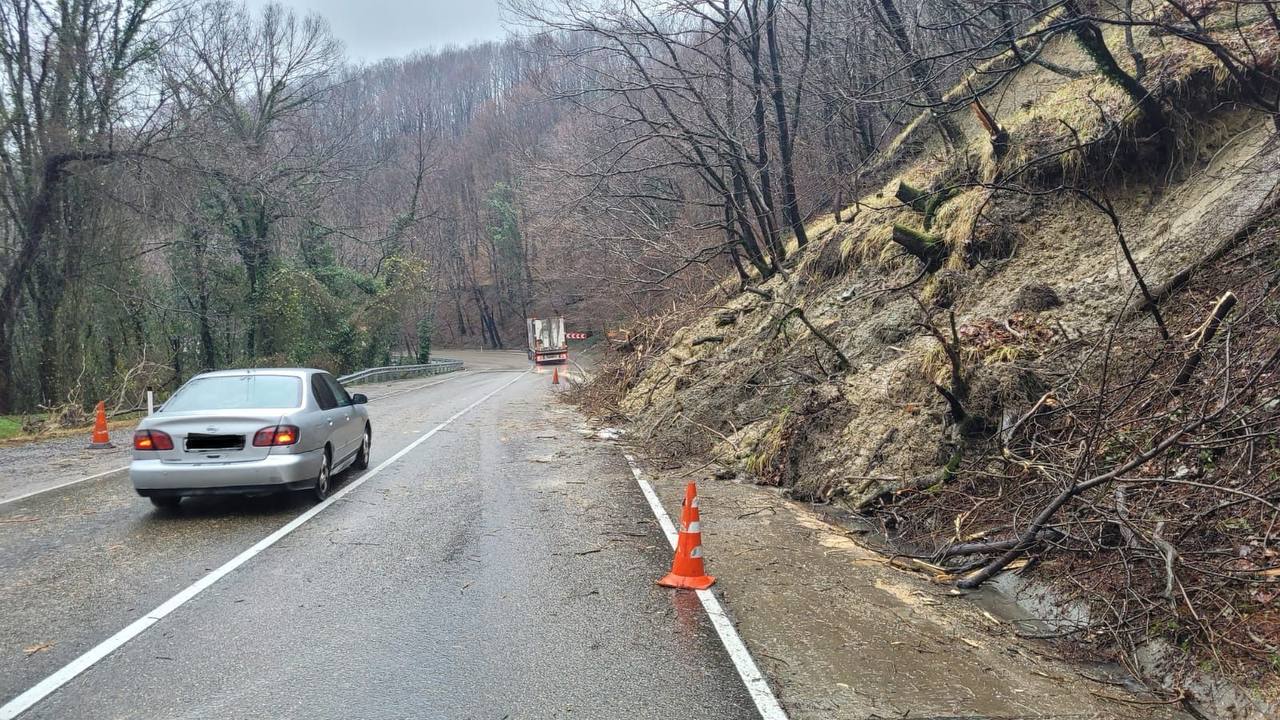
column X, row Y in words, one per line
column 237, row 392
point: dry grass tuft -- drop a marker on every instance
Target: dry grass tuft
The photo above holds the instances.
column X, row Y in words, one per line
column 957, row 219
column 867, row 238
column 1047, row 139
column 768, row 449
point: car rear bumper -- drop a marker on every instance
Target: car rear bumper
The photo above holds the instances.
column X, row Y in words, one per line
column 153, row 478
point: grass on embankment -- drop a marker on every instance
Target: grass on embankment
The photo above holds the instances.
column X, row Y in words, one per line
column 10, row 426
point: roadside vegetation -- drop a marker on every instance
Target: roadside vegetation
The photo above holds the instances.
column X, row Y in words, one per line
column 10, row 426
column 186, row 186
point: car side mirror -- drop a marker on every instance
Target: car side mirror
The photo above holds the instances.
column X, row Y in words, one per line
column 359, row 399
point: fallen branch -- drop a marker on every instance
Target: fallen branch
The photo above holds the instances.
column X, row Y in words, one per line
column 989, row 546
column 1032, row 534
column 1165, row 290
column 842, row 361
column 1045, row 399
column 1203, row 336
column 1170, row 555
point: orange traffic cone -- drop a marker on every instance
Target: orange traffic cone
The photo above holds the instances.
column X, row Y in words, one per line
column 686, row 569
column 555, row 376
column 101, row 439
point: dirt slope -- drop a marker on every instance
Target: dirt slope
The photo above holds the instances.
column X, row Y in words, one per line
column 1034, row 295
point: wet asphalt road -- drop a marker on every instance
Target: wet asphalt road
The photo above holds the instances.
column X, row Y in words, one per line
column 503, row 568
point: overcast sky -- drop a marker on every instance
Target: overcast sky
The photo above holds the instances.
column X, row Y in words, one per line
column 376, row 29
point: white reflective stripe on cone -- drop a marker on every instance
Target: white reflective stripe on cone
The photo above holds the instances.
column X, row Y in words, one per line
column 693, row 527
column 695, row 501
column 696, row 552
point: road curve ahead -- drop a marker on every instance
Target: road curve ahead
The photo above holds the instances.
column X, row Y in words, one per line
column 493, row 563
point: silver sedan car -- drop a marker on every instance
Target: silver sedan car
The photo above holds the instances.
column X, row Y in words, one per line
column 250, row 431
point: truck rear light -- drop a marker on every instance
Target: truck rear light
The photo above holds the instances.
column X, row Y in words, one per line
column 152, row 440
column 276, row 436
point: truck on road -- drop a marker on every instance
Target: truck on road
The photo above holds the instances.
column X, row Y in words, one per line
column 547, row 342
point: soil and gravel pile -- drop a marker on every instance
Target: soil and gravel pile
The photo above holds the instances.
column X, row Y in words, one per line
column 967, row 354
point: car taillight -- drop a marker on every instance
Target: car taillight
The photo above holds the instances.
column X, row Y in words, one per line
column 152, row 440
column 275, row 436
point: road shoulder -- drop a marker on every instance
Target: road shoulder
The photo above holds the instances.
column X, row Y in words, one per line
column 841, row 633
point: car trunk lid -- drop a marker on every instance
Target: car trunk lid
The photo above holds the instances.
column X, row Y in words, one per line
column 213, row 437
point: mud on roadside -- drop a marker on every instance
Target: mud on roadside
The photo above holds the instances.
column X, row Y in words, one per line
column 843, row 633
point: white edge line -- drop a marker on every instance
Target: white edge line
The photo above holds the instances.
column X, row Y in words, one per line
column 45, row 687
column 757, row 685
column 452, row 375
column 65, row 484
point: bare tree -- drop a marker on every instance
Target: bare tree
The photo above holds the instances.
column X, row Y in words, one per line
column 244, row 89
column 69, row 72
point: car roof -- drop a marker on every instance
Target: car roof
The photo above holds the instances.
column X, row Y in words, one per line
column 296, row 372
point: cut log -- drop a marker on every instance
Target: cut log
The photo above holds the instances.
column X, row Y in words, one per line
column 930, row 250
column 912, row 196
column 926, row 202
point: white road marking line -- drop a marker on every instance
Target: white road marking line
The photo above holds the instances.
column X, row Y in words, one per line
column 757, row 685
column 45, row 687
column 452, row 375
column 65, row 484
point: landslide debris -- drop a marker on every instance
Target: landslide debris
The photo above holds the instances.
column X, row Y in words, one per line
column 1057, row 343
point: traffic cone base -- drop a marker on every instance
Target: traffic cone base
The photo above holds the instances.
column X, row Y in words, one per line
column 101, row 439
column 681, row 582
column 687, row 572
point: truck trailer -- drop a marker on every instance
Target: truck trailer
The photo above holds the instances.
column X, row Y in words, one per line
column 547, row 342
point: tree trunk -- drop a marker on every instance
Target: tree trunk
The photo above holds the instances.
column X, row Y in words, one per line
column 790, row 204
column 996, row 133
column 766, row 219
column 47, row 326
column 7, row 398
column 1089, row 36
column 32, row 233
column 743, row 277
column 735, row 202
column 208, row 352
column 892, row 19
column 735, row 213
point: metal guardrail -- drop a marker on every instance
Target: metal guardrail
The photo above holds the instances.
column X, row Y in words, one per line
column 399, row 372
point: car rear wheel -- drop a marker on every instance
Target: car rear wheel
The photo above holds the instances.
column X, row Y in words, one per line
column 362, row 458
column 323, row 480
column 168, row 502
